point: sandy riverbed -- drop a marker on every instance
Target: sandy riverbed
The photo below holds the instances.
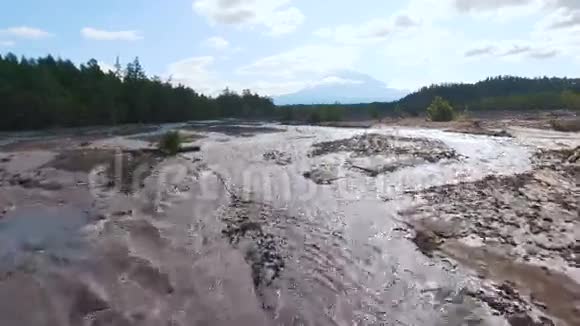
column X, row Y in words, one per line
column 290, row 225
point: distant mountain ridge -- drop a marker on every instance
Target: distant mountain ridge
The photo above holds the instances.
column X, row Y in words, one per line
column 345, row 87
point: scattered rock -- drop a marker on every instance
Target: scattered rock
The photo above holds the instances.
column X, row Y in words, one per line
column 188, row 149
column 122, row 213
column 502, row 133
column 245, row 223
column 278, row 157
column 426, row 241
column 574, row 156
column 504, row 300
column 523, row 319
column 527, row 216
column 322, row 175
column 534, row 206
column 101, row 217
column 372, row 144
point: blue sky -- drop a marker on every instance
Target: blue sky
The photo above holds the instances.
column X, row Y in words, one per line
column 280, row 46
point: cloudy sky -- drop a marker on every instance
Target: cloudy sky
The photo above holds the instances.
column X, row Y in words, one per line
column 280, row 46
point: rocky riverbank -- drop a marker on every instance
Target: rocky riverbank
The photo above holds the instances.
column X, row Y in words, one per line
column 520, row 232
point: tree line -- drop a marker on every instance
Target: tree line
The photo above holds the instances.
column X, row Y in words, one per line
column 51, row 92
column 500, row 93
column 494, row 93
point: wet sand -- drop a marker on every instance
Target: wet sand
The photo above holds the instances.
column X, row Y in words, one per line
column 291, row 225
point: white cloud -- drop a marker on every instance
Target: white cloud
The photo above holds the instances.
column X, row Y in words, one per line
column 298, row 68
column 501, row 11
column 565, row 4
column 104, row 35
column 309, row 60
column 561, row 13
column 404, row 21
column 217, row 42
column 276, row 15
column 516, row 50
column 200, row 73
column 483, row 5
column 278, row 87
column 373, row 31
column 196, row 73
column 562, row 19
column 369, row 32
column 479, row 51
column 554, row 34
column 25, row 32
column 544, row 53
column 105, row 67
column 334, row 80
column 413, row 47
column 7, row 43
column 511, row 50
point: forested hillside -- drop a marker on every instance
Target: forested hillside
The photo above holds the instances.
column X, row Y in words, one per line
column 48, row 92
column 500, row 93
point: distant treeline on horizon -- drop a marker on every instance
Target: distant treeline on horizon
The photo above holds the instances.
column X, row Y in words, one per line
column 48, row 92
column 495, row 93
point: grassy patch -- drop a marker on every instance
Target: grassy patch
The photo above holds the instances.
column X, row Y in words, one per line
column 170, row 143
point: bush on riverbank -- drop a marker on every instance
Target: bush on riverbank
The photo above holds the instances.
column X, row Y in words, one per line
column 170, row 144
column 440, row 110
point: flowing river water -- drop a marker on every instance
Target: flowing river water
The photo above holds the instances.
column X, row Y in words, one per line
column 238, row 233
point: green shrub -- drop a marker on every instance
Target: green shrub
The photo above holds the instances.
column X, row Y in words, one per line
column 440, row 110
column 170, row 143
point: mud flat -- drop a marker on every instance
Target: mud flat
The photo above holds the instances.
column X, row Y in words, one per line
column 85, row 238
column 289, row 225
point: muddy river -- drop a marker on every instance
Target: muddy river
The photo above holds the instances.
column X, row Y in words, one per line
column 290, row 225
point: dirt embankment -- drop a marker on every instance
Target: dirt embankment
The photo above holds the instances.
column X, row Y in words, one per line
column 518, row 232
